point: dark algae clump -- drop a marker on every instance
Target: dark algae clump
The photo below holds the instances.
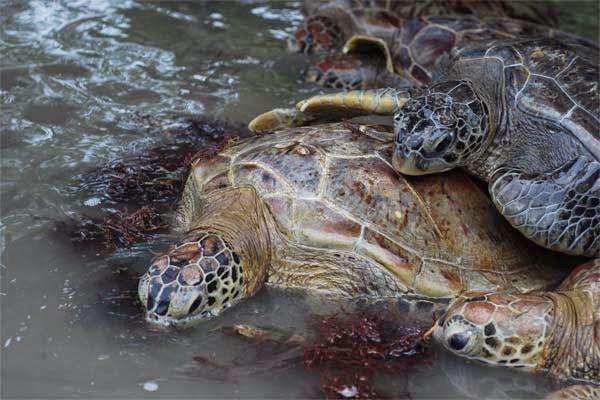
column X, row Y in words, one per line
column 139, row 191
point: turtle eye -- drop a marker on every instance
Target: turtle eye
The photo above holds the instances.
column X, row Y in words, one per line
column 459, row 340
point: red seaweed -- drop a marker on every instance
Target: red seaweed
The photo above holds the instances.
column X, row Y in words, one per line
column 349, row 352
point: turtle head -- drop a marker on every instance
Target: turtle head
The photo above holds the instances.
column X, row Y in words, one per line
column 345, row 72
column 197, row 279
column 496, row 328
column 366, row 62
column 440, row 129
column 317, row 34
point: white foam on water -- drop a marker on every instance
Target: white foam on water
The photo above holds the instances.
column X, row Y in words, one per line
column 150, row 386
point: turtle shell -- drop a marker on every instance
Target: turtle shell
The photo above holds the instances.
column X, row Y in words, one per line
column 419, row 44
column 329, row 22
column 552, row 80
column 331, row 187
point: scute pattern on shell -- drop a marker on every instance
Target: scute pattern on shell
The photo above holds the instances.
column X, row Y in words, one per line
column 551, row 79
column 331, row 187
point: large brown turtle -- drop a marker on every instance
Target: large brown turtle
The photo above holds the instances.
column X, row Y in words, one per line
column 329, row 24
column 521, row 114
column 321, row 208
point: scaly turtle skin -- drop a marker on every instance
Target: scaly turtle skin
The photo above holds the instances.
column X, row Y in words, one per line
column 320, row 208
column 576, row 392
column 330, row 23
column 555, row 331
column 523, row 115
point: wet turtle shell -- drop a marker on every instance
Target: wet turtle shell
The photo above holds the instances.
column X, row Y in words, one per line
column 332, row 189
column 412, row 54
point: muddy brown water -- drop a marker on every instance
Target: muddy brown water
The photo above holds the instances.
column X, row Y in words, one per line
column 77, row 77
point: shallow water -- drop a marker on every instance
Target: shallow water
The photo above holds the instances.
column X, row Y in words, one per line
column 75, row 78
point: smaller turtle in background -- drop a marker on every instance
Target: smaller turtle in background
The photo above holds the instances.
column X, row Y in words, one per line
column 410, row 57
column 329, row 24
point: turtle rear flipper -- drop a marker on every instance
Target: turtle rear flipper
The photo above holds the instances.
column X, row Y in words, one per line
column 333, row 107
column 559, row 210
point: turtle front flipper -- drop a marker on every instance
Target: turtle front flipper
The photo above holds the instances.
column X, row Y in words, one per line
column 280, row 118
column 333, row 107
column 559, row 210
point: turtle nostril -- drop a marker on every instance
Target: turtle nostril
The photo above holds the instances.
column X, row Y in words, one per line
column 162, row 307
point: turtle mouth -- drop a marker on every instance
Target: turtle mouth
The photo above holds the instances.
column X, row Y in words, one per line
column 410, row 162
column 190, row 320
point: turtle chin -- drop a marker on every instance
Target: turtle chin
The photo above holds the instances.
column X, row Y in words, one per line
column 414, row 163
column 183, row 322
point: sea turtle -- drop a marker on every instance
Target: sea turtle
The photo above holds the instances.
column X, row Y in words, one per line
column 321, row 208
column 316, row 198
column 556, row 331
column 410, row 56
column 330, row 23
column 522, row 114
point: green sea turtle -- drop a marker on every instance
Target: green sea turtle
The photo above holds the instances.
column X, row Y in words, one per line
column 330, row 23
column 522, row 114
column 321, row 208
column 556, row 331
column 326, row 200
column 410, row 56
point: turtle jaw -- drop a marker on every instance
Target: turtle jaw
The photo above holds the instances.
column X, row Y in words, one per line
column 413, row 163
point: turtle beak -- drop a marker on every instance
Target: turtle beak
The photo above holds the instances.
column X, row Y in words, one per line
column 407, row 164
